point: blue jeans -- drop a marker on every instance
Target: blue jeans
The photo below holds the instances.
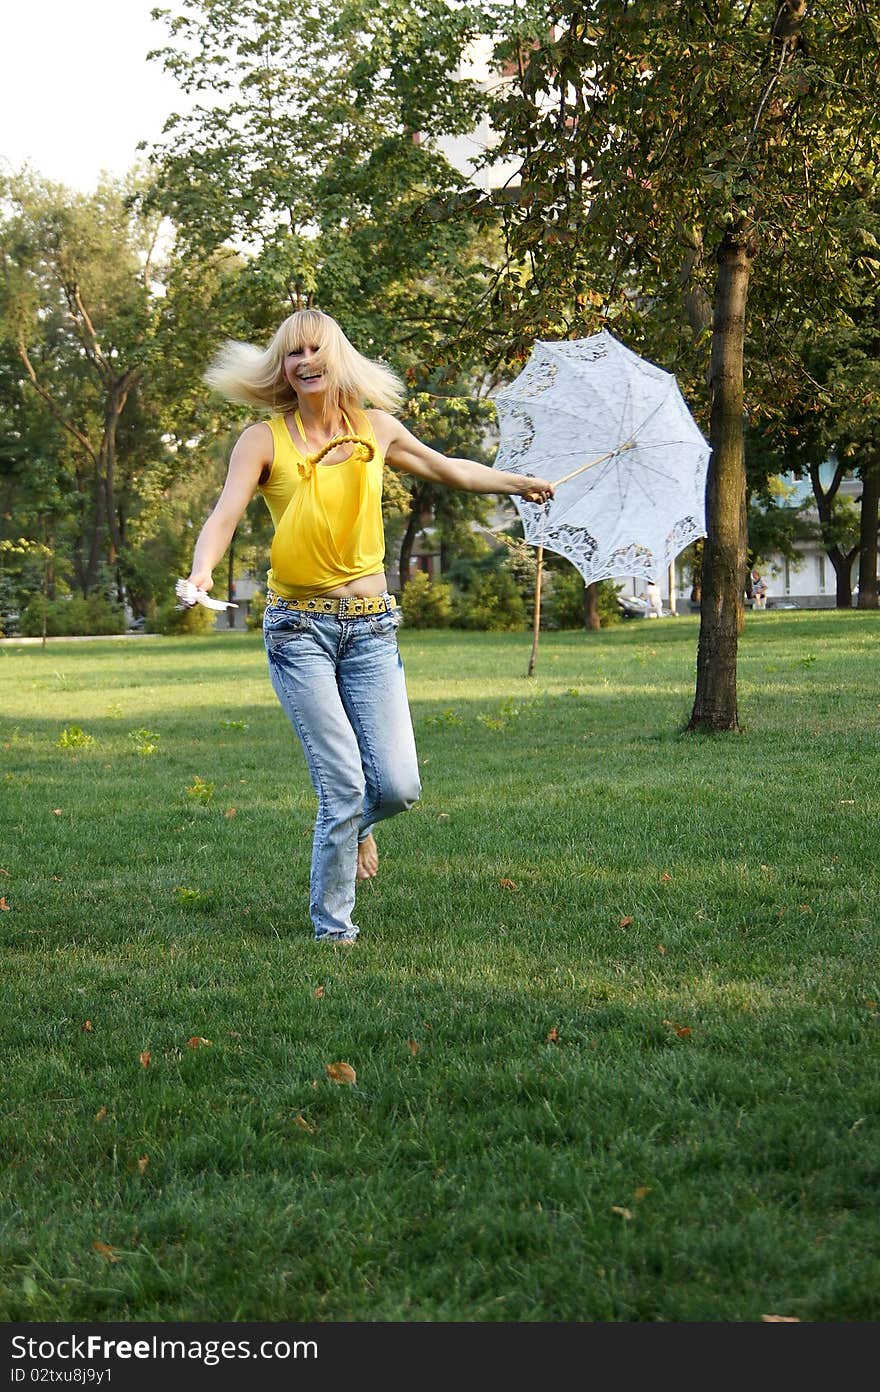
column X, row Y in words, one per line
column 341, row 684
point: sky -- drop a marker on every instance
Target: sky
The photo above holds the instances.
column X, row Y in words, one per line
column 76, row 91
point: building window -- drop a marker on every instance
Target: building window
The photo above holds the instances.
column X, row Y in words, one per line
column 821, row 572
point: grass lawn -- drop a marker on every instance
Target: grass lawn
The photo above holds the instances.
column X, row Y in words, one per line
column 613, row 1015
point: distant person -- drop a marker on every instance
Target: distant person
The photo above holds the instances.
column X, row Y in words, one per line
column 330, row 624
column 653, row 600
column 759, row 590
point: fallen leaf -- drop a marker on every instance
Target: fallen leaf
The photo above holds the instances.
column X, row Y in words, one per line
column 4, row 872
column 143, row 1163
column 100, row 1114
column 196, row 1042
column 442, row 816
column 319, row 991
column 230, row 812
column 105, row 1250
column 871, row 1004
column 340, row 1073
column 3, row 904
column 661, row 949
column 413, row 1047
column 780, row 1319
column 665, row 877
column 57, row 811
column 805, row 908
column 681, row 1030
column 624, row 1212
column 553, row 1036
column 145, row 1058
column 507, row 884
column 625, row 921
column 87, row 1027
column 300, row 1121
column 642, row 1191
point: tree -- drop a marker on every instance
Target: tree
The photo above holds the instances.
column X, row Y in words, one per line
column 101, row 352
column 676, row 157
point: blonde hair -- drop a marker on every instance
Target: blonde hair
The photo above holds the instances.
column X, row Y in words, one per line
column 255, row 376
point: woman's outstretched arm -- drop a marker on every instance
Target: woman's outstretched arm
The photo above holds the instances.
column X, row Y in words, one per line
column 251, row 455
column 402, row 450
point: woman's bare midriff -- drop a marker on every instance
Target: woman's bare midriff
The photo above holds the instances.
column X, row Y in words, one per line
column 365, row 588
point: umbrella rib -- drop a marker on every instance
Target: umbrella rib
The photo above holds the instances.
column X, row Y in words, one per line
column 592, row 463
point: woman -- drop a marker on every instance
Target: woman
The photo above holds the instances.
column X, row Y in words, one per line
column 330, row 624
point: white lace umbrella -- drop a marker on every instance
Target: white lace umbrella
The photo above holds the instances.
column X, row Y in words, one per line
column 614, row 434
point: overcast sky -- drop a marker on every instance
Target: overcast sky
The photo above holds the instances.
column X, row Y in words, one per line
column 76, row 91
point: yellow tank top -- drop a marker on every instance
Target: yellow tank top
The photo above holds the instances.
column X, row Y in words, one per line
column 327, row 517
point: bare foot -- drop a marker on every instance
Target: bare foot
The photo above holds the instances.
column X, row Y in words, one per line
column 368, row 859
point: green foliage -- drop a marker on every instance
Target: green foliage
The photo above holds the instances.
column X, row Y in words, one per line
column 562, row 601
column 73, row 617
column 606, row 603
column 200, row 790
column 493, row 603
column 73, row 737
column 146, row 742
column 427, row 603
column 256, row 609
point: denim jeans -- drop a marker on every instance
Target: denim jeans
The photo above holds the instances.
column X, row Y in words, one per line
column 341, row 684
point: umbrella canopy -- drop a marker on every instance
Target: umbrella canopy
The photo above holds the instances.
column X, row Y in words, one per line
column 614, row 433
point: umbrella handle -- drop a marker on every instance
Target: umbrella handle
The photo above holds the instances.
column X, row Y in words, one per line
column 582, row 468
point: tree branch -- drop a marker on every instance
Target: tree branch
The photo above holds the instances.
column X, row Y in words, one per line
column 53, row 407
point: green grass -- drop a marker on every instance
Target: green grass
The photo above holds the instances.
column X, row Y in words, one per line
column 477, row 1171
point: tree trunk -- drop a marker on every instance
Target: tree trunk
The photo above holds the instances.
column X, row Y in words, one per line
column 868, row 537
column 724, row 548
column 842, row 561
column 98, row 530
column 591, row 607
column 413, row 523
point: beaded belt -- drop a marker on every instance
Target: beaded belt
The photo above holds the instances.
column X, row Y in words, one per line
column 341, row 606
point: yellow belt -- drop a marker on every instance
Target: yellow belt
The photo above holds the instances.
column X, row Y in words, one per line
column 342, row 606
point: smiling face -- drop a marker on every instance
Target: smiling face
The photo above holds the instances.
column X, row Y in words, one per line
column 304, row 371
column 308, row 342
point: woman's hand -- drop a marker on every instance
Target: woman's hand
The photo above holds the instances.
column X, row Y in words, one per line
column 202, row 579
column 535, row 490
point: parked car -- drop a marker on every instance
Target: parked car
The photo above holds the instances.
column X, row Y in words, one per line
column 631, row 607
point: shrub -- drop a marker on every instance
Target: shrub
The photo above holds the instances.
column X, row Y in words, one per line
column 564, row 604
column 253, row 619
column 173, row 621
column 606, row 601
column 426, row 603
column 72, row 617
column 493, row 603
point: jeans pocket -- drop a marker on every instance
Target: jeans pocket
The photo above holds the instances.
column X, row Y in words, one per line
column 385, row 625
column 282, row 625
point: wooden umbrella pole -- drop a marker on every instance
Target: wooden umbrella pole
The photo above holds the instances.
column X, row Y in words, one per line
column 582, row 468
column 536, row 622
